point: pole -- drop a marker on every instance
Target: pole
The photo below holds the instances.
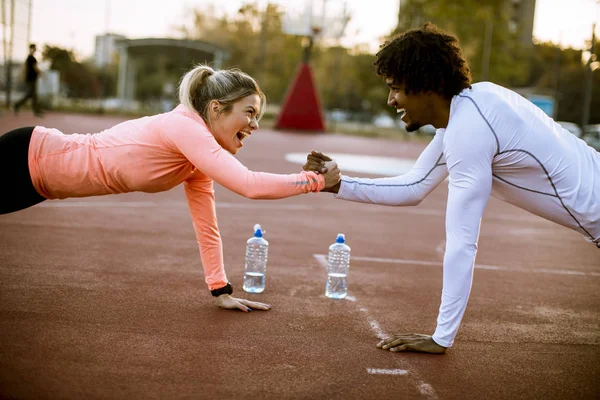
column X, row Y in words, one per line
column 262, row 46
column 339, row 52
column 5, row 47
column 106, row 17
column 10, row 51
column 310, row 38
column 587, row 88
column 487, row 49
column 557, row 77
column 30, row 5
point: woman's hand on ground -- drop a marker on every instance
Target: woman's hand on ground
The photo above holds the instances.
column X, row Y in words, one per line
column 226, row 301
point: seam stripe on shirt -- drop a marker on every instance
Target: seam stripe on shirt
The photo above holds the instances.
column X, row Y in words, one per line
column 553, row 186
column 521, row 187
column 437, row 164
column 486, row 121
column 532, row 156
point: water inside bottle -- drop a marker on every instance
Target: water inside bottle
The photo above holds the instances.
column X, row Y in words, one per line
column 337, row 285
column 254, row 282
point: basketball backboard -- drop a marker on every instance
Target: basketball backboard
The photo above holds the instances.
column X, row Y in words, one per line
column 324, row 19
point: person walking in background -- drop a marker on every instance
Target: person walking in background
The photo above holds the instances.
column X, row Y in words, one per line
column 31, row 74
column 193, row 144
column 489, row 141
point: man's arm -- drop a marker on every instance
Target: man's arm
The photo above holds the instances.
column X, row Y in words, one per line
column 404, row 190
column 469, row 154
column 469, row 147
column 470, row 187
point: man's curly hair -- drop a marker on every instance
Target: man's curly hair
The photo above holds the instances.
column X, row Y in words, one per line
column 424, row 59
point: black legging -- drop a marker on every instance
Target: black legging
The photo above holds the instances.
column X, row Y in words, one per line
column 17, row 188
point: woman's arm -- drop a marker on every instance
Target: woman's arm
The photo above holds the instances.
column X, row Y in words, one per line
column 201, row 201
column 193, row 139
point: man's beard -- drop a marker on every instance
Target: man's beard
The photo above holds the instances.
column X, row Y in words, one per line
column 412, row 127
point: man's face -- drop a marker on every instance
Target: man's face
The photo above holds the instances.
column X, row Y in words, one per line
column 416, row 108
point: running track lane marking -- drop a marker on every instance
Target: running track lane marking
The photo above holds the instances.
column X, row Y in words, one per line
column 380, row 371
column 477, row 266
column 424, row 388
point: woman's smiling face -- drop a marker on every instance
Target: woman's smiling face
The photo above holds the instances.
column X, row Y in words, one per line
column 231, row 127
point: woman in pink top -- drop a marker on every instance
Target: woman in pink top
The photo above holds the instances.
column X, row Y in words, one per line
column 193, row 144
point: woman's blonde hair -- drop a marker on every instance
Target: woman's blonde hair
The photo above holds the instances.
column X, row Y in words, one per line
column 202, row 84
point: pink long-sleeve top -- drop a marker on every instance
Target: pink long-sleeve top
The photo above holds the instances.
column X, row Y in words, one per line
column 154, row 154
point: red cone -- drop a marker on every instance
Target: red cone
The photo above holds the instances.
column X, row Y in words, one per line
column 301, row 109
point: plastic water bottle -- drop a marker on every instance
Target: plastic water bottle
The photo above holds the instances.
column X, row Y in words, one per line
column 257, row 249
column 339, row 262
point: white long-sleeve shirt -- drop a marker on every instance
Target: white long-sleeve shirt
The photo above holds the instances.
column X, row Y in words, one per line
column 496, row 143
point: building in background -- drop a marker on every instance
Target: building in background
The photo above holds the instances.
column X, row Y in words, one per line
column 15, row 34
column 106, row 49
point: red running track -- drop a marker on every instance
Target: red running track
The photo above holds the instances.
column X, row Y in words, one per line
column 104, row 297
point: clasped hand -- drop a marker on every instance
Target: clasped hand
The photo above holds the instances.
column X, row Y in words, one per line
column 322, row 164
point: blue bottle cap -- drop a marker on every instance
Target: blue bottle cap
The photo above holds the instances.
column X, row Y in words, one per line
column 340, row 238
column 258, row 231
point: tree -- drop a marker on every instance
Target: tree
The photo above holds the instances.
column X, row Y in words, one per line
column 508, row 63
column 79, row 80
column 271, row 58
column 562, row 72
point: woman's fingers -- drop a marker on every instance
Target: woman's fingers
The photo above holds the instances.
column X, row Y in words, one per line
column 256, row 305
column 226, row 301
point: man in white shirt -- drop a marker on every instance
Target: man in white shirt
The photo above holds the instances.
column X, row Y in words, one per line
column 489, row 141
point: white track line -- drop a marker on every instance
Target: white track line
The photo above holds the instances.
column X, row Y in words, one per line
column 423, row 387
column 381, row 371
column 427, row 390
column 477, row 266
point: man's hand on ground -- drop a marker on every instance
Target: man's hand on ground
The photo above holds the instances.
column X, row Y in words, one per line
column 411, row 342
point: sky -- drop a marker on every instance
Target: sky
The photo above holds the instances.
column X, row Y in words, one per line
column 73, row 24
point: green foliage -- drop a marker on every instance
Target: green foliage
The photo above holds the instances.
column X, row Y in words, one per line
column 344, row 77
column 561, row 73
column 558, row 72
column 508, row 61
column 79, row 80
column 272, row 58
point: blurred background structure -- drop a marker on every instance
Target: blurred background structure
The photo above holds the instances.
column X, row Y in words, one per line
column 137, row 70
column 16, row 33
